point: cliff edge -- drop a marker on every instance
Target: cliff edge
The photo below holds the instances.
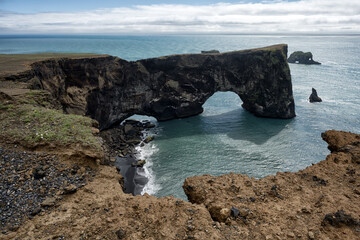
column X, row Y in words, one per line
column 319, row 202
column 74, row 198
column 110, row 89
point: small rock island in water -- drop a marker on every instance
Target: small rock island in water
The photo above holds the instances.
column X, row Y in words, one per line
column 302, row 58
column 314, row 97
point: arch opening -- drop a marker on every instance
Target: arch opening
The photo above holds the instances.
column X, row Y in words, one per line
column 140, row 118
column 221, row 102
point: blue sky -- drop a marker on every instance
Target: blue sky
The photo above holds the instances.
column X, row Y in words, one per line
column 179, row 17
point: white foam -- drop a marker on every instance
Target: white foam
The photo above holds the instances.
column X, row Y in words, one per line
column 146, row 153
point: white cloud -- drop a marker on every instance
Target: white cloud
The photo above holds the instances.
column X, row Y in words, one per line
column 306, row 16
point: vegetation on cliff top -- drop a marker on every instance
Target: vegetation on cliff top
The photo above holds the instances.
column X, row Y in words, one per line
column 14, row 63
column 32, row 120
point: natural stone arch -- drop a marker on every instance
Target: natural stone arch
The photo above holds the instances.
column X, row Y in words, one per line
column 225, row 100
column 260, row 77
column 110, row 89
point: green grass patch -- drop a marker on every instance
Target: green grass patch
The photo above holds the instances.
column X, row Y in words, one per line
column 5, row 106
column 38, row 97
column 34, row 125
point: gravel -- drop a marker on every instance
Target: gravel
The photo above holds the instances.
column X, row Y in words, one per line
column 27, row 179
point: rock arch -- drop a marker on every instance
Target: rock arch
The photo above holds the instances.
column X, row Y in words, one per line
column 110, row 89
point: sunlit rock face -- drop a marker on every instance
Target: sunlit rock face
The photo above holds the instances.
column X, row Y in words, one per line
column 110, row 89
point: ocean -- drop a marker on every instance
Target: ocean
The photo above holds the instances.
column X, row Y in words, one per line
column 225, row 138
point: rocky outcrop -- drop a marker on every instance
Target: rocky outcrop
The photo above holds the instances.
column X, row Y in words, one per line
column 314, row 97
column 110, row 89
column 210, row 51
column 302, row 58
column 319, row 202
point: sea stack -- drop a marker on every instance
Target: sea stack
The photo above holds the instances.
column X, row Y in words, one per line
column 314, row 97
column 302, row 58
column 169, row 87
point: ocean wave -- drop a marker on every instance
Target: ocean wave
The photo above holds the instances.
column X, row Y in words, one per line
column 146, row 152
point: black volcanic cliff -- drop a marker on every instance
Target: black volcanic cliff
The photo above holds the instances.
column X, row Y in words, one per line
column 110, row 89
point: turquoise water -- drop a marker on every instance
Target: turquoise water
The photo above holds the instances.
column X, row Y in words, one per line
column 226, row 138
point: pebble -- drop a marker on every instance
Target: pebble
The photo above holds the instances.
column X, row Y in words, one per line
column 291, row 235
column 28, row 179
column 70, row 189
column 190, row 227
column 48, row 202
column 234, row 212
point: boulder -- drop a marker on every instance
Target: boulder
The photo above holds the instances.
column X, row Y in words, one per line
column 148, row 139
column 314, row 97
column 302, row 58
column 149, row 125
column 134, row 141
column 128, row 128
column 139, row 163
column 219, row 213
column 340, row 218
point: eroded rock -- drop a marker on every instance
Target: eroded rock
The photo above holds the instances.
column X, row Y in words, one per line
column 302, row 58
column 139, row 163
column 48, row 202
column 148, row 139
column 101, row 211
column 121, row 233
column 289, row 205
column 70, row 189
column 110, row 89
column 340, row 218
column 314, row 97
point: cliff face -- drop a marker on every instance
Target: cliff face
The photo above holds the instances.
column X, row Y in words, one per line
column 110, row 89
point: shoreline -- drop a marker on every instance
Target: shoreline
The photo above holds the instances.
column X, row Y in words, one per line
column 318, row 202
column 134, row 181
column 122, row 142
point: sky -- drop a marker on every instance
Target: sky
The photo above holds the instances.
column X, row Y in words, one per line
column 179, row 17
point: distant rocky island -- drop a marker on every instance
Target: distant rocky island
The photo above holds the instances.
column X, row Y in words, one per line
column 210, row 51
column 302, row 58
column 60, row 134
column 314, row 96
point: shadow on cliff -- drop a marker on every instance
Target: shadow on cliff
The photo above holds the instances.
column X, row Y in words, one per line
column 237, row 124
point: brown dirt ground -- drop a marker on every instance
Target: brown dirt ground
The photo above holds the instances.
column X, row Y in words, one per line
column 294, row 209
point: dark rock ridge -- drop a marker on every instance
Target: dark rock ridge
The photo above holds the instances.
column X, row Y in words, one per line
column 314, row 97
column 110, row 89
column 302, row 58
column 210, row 51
